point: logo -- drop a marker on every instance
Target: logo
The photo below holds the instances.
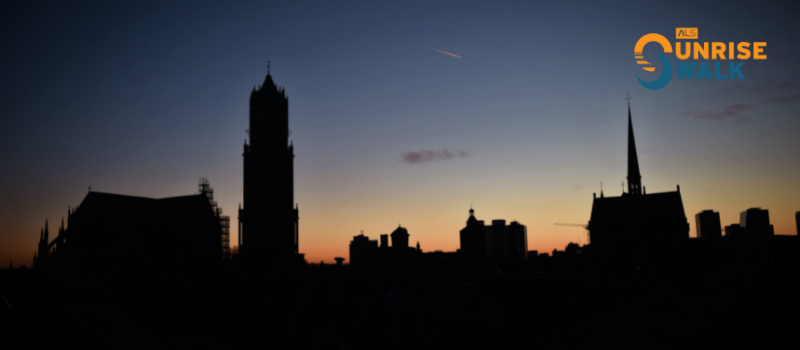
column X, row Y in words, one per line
column 685, row 33
column 684, row 50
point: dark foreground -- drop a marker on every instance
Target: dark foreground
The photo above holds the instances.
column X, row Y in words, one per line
column 705, row 297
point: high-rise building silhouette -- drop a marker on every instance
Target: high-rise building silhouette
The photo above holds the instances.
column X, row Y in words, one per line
column 517, row 241
column 498, row 240
column 708, row 224
column 268, row 221
column 499, row 237
column 475, row 239
column 362, row 248
column 734, row 230
column 755, row 222
column 637, row 219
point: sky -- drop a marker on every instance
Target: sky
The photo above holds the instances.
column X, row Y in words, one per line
column 522, row 120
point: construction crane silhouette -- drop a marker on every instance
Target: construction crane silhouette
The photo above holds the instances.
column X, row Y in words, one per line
column 585, row 227
column 579, row 225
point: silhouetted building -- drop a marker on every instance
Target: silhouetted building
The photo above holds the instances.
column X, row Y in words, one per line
column 362, row 248
column 498, row 240
column 708, row 224
column 475, row 239
column 572, row 249
column 517, row 241
column 364, row 252
column 131, row 236
column 400, row 238
column 734, row 230
column 637, row 219
column 268, row 222
column 755, row 222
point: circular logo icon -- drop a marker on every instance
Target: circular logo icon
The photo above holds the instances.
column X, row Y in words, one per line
column 666, row 73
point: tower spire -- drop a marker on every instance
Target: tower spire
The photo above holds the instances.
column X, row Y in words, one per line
column 634, row 177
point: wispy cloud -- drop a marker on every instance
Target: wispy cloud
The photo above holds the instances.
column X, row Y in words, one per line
column 733, row 112
column 446, row 53
column 786, row 99
column 784, row 92
column 740, row 120
column 431, row 155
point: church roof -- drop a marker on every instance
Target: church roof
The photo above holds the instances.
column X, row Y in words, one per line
column 633, row 210
column 188, row 221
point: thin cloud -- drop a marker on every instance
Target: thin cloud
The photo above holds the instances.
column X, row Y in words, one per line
column 446, row 53
column 431, row 155
column 765, row 88
column 785, row 92
column 729, row 112
column 786, row 99
column 740, row 120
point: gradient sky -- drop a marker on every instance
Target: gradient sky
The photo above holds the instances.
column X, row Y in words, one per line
column 145, row 98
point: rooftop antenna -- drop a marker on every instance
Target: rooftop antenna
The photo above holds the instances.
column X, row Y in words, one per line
column 267, row 67
column 628, row 98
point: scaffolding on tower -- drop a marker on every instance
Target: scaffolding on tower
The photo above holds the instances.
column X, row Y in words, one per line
column 224, row 221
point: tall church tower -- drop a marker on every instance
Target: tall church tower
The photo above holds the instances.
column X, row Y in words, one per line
column 268, row 222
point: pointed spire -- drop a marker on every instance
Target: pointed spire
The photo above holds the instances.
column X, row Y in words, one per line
column 46, row 233
column 268, row 83
column 634, row 177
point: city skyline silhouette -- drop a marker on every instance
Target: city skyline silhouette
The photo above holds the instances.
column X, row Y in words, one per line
column 521, row 151
column 396, row 175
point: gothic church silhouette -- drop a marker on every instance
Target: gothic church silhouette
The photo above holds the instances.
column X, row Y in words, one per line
column 637, row 220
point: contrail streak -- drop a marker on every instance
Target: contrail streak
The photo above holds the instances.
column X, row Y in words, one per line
column 446, row 53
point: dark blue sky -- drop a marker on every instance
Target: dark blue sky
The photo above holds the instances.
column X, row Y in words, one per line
column 145, row 98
